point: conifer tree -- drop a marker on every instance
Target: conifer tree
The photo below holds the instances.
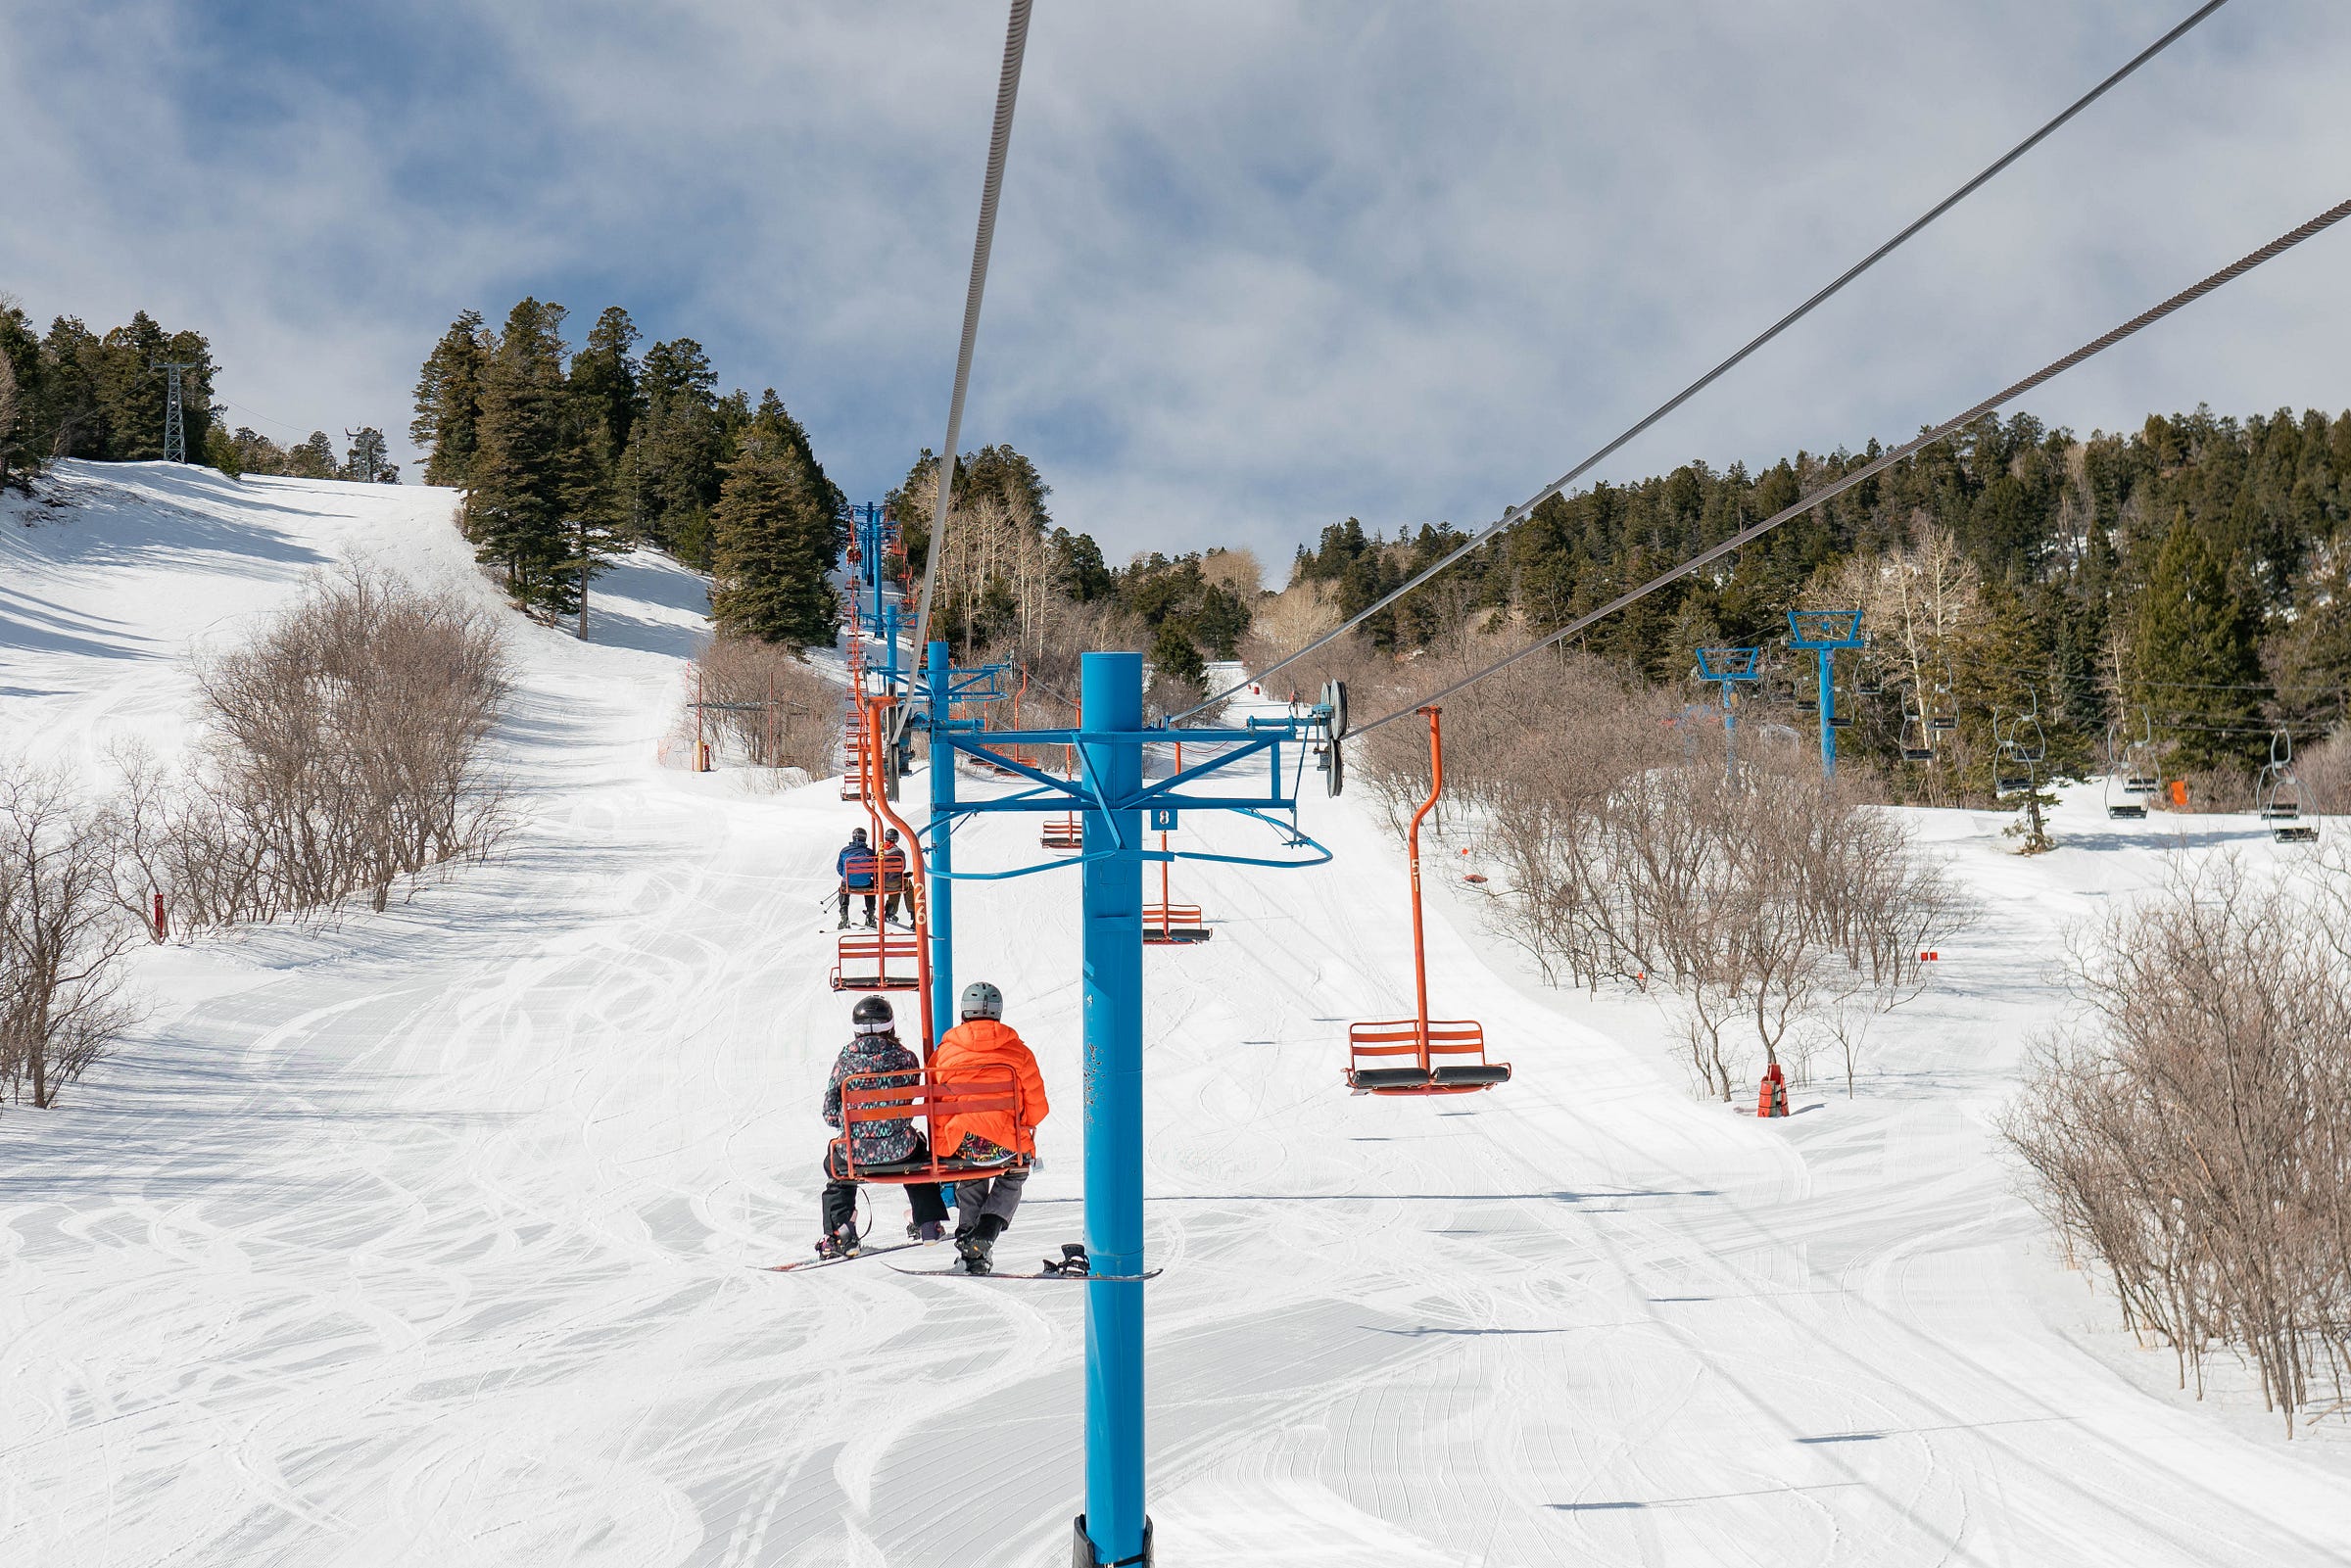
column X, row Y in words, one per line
column 2197, row 647
column 603, row 381
column 677, row 449
column 74, row 420
column 514, row 514
column 448, row 402
column 314, row 459
column 590, row 516
column 776, row 532
column 21, row 397
column 366, row 462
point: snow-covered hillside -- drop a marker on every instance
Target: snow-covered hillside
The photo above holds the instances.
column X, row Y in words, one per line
column 425, row 1239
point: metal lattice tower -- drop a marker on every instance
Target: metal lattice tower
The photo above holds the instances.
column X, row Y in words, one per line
column 175, row 440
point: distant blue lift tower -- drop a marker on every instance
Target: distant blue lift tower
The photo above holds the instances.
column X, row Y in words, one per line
column 1726, row 668
column 1821, row 633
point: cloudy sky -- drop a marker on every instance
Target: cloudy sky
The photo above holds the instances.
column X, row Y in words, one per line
column 1260, row 265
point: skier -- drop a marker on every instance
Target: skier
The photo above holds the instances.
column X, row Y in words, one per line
column 855, row 865
column 874, row 1048
column 893, row 875
column 985, row 1204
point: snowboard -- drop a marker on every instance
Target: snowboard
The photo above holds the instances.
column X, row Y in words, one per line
column 1042, row 1273
column 827, row 1263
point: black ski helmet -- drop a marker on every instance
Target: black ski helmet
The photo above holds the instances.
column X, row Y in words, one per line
column 857, row 836
column 873, row 1014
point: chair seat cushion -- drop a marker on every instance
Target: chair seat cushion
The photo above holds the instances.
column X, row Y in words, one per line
column 1387, row 1078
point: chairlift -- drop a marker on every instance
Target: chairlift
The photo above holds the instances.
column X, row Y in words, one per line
column 1944, row 715
column 873, row 1097
column 2021, row 747
column 864, row 959
column 2277, row 794
column 2138, row 759
column 1373, row 1049
column 1068, row 829
column 1917, row 744
column 1167, row 924
column 2122, row 802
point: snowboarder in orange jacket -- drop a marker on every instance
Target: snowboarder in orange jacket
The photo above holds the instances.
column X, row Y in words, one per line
column 985, row 1204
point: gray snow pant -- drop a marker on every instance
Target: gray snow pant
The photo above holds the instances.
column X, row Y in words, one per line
column 999, row 1195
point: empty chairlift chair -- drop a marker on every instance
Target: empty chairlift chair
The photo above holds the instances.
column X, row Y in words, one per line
column 878, row 961
column 1917, row 744
column 1421, row 1055
column 1066, row 831
column 2277, row 795
column 2123, row 802
column 1167, row 924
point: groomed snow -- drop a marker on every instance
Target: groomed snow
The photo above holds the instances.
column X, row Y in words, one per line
column 426, row 1239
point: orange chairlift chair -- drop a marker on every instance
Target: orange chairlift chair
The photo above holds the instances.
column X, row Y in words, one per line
column 1171, row 925
column 1066, row 831
column 1421, row 1055
column 891, row 1097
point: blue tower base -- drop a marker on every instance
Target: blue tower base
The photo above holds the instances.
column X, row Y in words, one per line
column 1083, row 1555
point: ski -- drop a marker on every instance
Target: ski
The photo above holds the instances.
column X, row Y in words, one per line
column 827, row 1262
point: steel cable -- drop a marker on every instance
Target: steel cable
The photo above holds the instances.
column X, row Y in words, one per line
column 1517, row 512
column 2187, row 296
column 999, row 141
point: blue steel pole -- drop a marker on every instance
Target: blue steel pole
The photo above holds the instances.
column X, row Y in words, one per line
column 1828, row 702
column 1730, row 727
column 1111, row 685
column 942, row 848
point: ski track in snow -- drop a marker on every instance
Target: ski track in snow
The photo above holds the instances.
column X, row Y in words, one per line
column 424, row 1238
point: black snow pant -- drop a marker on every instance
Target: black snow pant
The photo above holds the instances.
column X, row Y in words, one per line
column 847, row 895
column 989, row 1197
column 840, row 1197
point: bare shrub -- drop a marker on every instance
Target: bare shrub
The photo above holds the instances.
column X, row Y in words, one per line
column 1287, row 621
column 345, row 749
column 2193, row 1131
column 62, row 940
column 1628, row 851
column 764, row 703
column 2326, row 773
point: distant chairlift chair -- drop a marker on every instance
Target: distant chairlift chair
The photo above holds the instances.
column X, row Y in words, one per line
column 1167, row 924
column 2123, row 802
column 2277, row 795
column 1420, row 1055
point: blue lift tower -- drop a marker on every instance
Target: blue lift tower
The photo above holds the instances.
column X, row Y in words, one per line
column 1823, row 633
column 1116, row 801
column 1727, row 668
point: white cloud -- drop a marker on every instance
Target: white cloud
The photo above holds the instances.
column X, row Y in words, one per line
column 1260, row 265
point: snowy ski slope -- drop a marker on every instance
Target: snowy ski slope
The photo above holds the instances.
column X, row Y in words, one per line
column 425, row 1240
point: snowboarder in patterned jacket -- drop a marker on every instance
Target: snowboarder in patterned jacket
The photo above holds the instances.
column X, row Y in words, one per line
column 874, row 1049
